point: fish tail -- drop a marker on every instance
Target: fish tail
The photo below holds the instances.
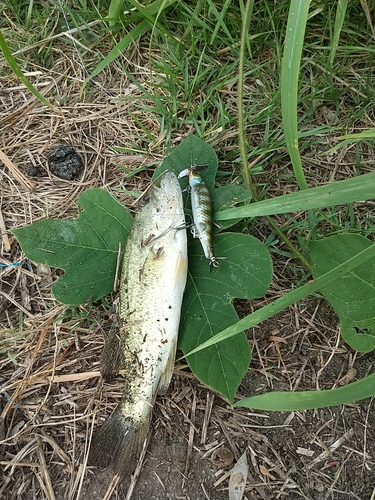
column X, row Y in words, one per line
column 119, row 442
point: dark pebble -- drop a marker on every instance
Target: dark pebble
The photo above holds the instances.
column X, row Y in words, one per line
column 33, row 171
column 64, row 162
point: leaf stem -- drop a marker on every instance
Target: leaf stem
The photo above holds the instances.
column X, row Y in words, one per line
column 241, row 116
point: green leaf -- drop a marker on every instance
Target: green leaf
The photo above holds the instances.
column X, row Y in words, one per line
column 366, row 134
column 86, row 248
column 192, row 151
column 353, row 294
column 307, row 400
column 115, row 11
column 287, row 300
column 207, row 308
column 246, row 272
column 227, row 197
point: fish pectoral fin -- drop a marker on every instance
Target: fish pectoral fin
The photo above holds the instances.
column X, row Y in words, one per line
column 112, row 357
column 166, row 376
column 119, row 442
column 180, row 272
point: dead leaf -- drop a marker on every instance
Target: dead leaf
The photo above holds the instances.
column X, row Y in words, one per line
column 265, row 472
column 237, row 480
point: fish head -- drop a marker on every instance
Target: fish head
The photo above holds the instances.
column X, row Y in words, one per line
column 169, row 183
column 164, row 210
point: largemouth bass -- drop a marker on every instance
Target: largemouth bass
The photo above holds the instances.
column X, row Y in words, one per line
column 152, row 283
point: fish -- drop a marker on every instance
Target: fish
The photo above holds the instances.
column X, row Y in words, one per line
column 201, row 206
column 152, row 283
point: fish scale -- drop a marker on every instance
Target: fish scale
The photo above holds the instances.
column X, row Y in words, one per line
column 152, row 283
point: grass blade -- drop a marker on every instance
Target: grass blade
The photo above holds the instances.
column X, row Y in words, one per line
column 366, row 134
column 359, row 188
column 241, row 114
column 308, row 400
column 145, row 12
column 140, row 29
column 339, row 20
column 17, row 71
column 114, row 11
column 290, row 67
column 127, row 40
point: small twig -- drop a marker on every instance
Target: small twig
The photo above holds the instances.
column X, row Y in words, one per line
column 47, row 478
column 111, row 488
column 207, row 416
column 17, row 174
column 4, row 235
column 118, row 260
column 191, row 436
column 326, row 453
column 320, row 371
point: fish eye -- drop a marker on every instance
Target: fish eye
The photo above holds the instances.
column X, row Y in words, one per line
column 144, row 200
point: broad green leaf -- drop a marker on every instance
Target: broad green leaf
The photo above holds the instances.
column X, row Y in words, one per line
column 192, row 151
column 86, row 248
column 287, row 300
column 226, row 197
column 207, row 308
column 307, row 400
column 359, row 188
column 351, row 295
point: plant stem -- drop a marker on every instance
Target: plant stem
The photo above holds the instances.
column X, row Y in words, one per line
column 241, row 116
column 242, row 139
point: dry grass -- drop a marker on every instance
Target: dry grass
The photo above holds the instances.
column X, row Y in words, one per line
column 53, row 397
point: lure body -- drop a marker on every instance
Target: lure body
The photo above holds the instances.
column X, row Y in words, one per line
column 201, row 206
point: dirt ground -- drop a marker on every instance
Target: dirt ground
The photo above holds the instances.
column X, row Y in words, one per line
column 52, row 395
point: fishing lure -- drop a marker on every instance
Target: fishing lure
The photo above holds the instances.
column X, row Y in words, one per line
column 201, row 206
